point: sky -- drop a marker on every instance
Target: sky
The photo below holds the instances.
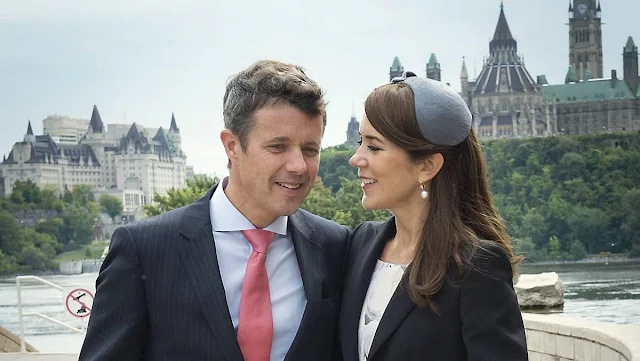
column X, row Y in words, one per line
column 139, row 61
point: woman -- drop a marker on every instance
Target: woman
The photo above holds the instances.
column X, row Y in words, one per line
column 435, row 281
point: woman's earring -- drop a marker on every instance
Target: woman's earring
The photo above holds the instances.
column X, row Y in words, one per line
column 424, row 194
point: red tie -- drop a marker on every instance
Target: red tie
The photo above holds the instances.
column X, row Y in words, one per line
column 255, row 325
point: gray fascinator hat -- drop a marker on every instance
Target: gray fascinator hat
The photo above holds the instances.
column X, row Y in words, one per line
column 442, row 115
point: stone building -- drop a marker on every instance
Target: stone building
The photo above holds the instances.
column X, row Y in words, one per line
column 585, row 38
column 505, row 100
column 132, row 167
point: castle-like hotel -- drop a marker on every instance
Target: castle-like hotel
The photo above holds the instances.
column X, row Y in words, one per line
column 506, row 101
column 126, row 160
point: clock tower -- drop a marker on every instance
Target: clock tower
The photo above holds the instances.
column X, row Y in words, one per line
column 585, row 38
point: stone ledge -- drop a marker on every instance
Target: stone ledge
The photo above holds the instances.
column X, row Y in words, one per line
column 39, row 357
column 562, row 337
column 10, row 342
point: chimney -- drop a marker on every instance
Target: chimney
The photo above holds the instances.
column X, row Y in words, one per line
column 614, row 78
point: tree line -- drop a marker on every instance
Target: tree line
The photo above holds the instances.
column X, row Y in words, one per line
column 72, row 225
column 562, row 198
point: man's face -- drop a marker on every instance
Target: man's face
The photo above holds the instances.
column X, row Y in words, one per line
column 275, row 173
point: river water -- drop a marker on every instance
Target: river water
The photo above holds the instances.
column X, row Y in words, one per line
column 599, row 292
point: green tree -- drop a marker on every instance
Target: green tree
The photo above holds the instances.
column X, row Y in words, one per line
column 554, row 247
column 631, row 224
column 577, row 250
column 111, row 205
column 79, row 225
column 320, row 201
column 82, row 195
column 176, row 198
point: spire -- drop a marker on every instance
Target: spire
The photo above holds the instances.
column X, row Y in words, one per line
column 174, row 126
column 598, row 8
column 396, row 66
column 630, row 45
column 95, row 124
column 463, row 73
column 502, row 37
column 570, row 6
column 396, row 69
column 29, row 137
column 571, row 76
column 502, row 29
column 433, row 61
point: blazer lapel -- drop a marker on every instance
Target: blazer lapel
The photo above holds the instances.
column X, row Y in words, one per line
column 356, row 290
column 311, row 263
column 198, row 254
column 397, row 310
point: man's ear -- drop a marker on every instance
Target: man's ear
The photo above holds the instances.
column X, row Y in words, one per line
column 431, row 167
column 231, row 144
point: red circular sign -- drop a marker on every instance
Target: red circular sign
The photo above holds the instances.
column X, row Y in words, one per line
column 79, row 302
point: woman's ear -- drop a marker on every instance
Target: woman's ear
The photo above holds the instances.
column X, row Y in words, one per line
column 430, row 167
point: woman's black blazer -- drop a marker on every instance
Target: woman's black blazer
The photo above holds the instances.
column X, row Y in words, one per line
column 479, row 317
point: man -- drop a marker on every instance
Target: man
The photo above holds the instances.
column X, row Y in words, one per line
column 241, row 274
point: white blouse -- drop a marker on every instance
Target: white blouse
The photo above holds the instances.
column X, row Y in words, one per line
column 384, row 281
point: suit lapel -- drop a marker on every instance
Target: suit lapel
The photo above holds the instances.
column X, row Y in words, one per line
column 198, row 254
column 397, row 310
column 311, row 262
column 355, row 291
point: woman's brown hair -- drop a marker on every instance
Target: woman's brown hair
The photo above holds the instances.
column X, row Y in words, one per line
column 461, row 209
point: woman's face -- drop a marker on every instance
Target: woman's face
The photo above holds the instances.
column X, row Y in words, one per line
column 390, row 180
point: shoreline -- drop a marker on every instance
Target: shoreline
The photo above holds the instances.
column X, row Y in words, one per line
column 586, row 261
column 596, row 260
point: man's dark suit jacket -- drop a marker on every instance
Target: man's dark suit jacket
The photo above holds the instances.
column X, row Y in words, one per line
column 159, row 295
column 479, row 316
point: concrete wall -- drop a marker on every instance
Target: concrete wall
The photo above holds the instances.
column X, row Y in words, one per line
column 79, row 267
column 549, row 338
column 70, row 267
column 560, row 338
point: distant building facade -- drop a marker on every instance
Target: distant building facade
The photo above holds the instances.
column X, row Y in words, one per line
column 131, row 166
column 506, row 101
column 64, row 129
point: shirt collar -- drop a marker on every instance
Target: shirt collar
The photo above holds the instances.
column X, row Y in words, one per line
column 225, row 217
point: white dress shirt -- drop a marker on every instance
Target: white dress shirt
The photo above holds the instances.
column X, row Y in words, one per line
column 288, row 300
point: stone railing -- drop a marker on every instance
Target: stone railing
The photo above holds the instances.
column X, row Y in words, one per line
column 549, row 338
column 556, row 337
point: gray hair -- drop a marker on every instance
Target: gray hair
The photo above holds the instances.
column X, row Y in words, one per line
column 265, row 83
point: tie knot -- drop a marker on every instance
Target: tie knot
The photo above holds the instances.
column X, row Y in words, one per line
column 259, row 239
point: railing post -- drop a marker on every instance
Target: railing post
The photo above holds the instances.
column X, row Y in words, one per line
column 22, row 343
column 21, row 315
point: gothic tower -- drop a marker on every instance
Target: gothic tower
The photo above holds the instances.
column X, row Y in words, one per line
column 464, row 79
column 174, row 134
column 585, row 38
column 353, row 132
column 29, row 137
column 433, row 68
column 396, row 69
column 630, row 64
